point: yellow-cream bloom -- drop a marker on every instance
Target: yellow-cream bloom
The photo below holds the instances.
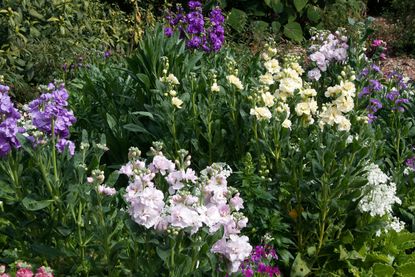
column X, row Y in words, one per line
column 268, row 99
column 261, row 113
column 234, row 80
column 272, row 66
column 286, row 123
column 214, row 88
column 266, row 79
column 177, row 102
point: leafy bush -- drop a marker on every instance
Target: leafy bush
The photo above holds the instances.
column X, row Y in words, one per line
column 39, row 37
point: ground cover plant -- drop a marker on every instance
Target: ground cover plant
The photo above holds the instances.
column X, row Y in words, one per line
column 192, row 158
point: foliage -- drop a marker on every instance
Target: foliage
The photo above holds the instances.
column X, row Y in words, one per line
column 291, row 18
column 39, row 37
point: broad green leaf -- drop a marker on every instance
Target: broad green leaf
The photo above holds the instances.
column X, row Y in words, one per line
column 299, row 268
column 276, row 26
column 34, row 205
column 313, row 13
column 383, row 270
column 143, row 113
column 237, row 19
column 112, row 179
column 293, row 31
column 163, row 254
column 407, row 270
column 300, row 4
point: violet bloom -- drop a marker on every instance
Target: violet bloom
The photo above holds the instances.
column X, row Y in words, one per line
column 398, row 104
column 193, row 5
column 376, row 68
column 50, row 109
column 376, row 85
column 371, row 117
column 168, row 31
column 50, row 115
column 365, row 91
column 8, row 123
column 410, row 163
column 374, row 105
column 392, row 95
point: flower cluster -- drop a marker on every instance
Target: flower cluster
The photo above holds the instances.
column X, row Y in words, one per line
column 388, row 91
column 277, row 85
column 208, row 36
column 327, row 48
column 50, row 115
column 189, row 203
column 261, row 262
column 25, row 270
column 97, row 178
column 334, row 112
column 9, row 117
column 171, row 82
column 378, row 50
column 379, row 195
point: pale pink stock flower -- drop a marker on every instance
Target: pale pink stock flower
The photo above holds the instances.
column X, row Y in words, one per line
column 237, row 202
column 103, row 189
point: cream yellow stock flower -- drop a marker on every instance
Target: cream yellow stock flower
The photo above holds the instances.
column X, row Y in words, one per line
column 214, row 88
column 286, row 123
column 268, row 99
column 234, row 80
column 343, row 124
column 266, row 79
column 261, row 113
column 177, row 102
column 272, row 66
column 310, row 92
column 344, row 104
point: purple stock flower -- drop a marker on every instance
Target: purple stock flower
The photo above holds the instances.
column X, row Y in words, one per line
column 62, row 144
column 193, row 5
column 193, row 27
column 371, row 117
column 168, row 31
column 376, row 68
column 50, row 115
column 376, row 85
column 8, row 123
column 374, row 105
column 398, row 104
column 410, row 163
column 365, row 91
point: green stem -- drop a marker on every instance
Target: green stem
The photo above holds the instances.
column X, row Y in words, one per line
column 55, row 167
column 174, row 131
column 209, row 135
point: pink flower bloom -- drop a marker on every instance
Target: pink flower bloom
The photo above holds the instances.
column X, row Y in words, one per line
column 377, row 42
column 44, row 272
column 24, row 272
column 103, row 189
column 237, row 202
column 161, row 164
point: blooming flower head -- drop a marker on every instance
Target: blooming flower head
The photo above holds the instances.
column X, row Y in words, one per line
column 8, row 123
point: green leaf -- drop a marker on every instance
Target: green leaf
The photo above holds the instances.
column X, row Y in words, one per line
column 34, row 205
column 136, row 128
column 147, row 114
column 299, row 268
column 35, row 14
column 300, row 4
column 383, row 270
column 292, row 30
column 407, row 270
column 276, row 26
column 111, row 122
column 112, row 179
column 313, row 13
column 163, row 254
column 237, row 19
